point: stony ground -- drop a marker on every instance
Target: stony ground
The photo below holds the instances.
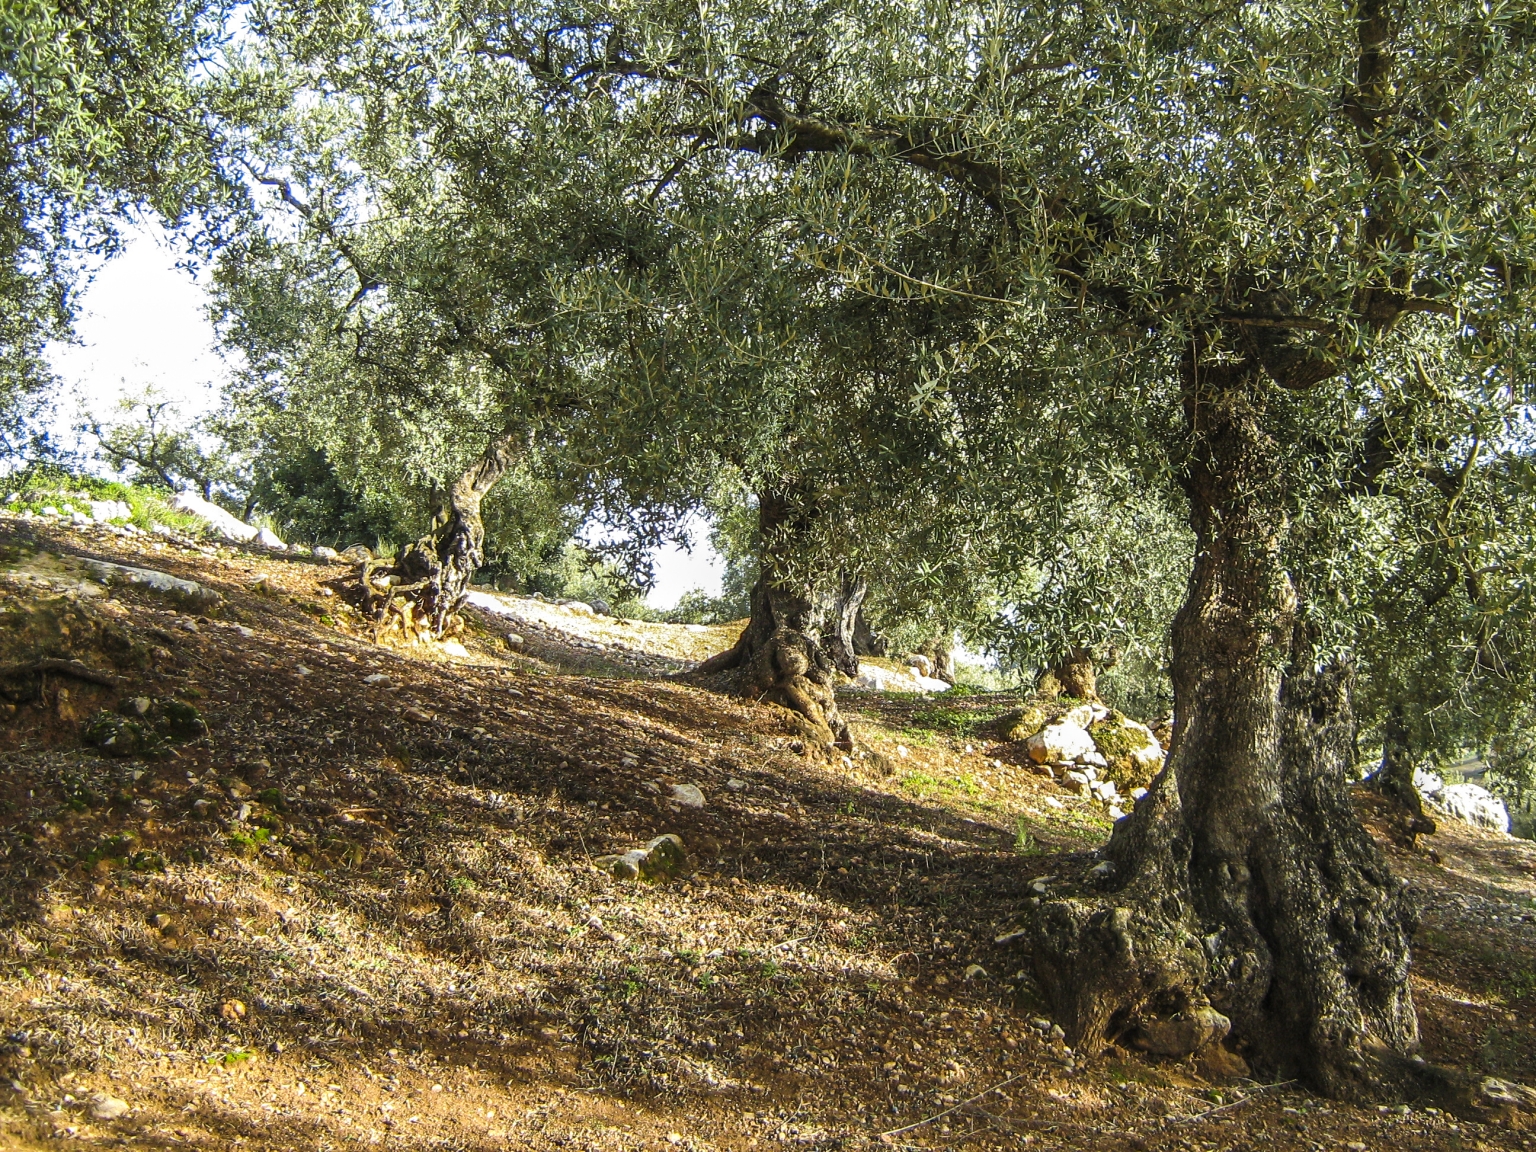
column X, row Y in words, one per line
column 361, row 909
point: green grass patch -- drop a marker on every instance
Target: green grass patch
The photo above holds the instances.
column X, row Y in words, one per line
column 48, row 486
column 246, row 841
column 1024, row 842
column 923, row 785
column 950, row 721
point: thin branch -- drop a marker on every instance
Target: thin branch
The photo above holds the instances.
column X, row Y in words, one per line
column 955, row 1108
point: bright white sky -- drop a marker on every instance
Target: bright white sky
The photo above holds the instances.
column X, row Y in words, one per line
column 143, row 322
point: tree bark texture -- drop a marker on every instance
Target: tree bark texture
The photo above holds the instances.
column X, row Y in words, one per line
column 841, row 620
column 940, row 651
column 797, row 639
column 866, row 641
column 421, row 591
column 1244, row 882
column 1073, row 674
column 1394, row 779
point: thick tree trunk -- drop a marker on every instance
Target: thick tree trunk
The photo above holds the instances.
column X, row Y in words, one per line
column 783, row 656
column 1394, row 779
column 940, row 651
column 422, row 590
column 1244, row 891
column 1073, row 674
column 866, row 641
column 840, row 627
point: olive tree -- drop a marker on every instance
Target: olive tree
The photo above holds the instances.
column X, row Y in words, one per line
column 1270, row 207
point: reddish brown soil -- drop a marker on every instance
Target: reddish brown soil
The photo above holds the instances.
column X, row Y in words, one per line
column 404, row 943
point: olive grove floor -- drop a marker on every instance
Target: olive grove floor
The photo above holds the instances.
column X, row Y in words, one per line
column 362, row 912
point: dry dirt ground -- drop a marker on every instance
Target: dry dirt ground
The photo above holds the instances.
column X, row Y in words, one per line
column 360, row 911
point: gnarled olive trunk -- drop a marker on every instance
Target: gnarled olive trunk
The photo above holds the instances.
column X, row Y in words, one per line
column 1394, row 779
column 939, row 651
column 1243, row 886
column 1073, row 674
column 784, row 655
column 422, row 590
column 841, row 613
column 866, row 641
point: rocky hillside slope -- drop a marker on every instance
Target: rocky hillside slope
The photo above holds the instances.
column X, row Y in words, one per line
column 266, row 885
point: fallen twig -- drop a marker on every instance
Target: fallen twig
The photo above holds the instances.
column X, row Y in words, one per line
column 63, row 668
column 953, row 1108
column 1254, row 1095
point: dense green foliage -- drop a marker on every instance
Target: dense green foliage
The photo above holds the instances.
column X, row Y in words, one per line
column 933, row 271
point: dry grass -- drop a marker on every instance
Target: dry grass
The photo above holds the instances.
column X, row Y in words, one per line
column 426, row 957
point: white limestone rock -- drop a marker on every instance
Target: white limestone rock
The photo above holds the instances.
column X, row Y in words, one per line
column 1058, row 742
column 225, row 523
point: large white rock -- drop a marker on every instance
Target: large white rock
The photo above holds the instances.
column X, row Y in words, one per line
column 874, row 678
column 1429, row 784
column 226, row 524
column 110, row 510
column 1059, row 742
column 270, row 539
column 1083, row 715
column 492, row 603
column 1473, row 804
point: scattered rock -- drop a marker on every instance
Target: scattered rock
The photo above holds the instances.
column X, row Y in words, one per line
column 513, row 640
column 661, row 859
column 1218, row 1062
column 874, row 678
column 103, row 510
column 182, row 720
column 118, row 736
column 329, row 555
column 376, row 678
column 1082, row 715
column 104, row 1107
column 1509, row 1102
column 1132, row 752
column 188, row 593
column 355, row 554
column 688, row 795
column 920, row 665
column 1470, row 803
column 270, row 539
column 225, row 523
column 1058, row 742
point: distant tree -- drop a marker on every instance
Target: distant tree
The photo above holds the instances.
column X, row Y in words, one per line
column 150, row 442
column 303, row 493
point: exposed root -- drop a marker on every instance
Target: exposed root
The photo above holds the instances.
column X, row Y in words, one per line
column 71, row 668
